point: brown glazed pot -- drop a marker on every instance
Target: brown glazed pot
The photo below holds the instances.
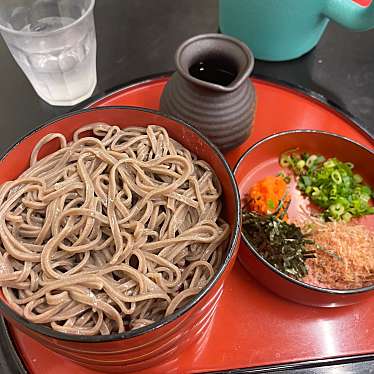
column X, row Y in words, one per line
column 222, row 112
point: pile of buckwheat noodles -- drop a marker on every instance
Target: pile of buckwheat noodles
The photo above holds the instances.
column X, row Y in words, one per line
column 112, row 232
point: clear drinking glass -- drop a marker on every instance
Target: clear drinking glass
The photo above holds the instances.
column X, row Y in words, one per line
column 54, row 43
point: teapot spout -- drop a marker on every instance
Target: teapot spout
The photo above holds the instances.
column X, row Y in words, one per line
column 350, row 14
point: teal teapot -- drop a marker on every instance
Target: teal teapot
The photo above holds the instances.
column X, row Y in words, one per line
column 279, row 30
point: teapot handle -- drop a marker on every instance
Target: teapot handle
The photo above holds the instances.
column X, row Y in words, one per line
column 350, row 14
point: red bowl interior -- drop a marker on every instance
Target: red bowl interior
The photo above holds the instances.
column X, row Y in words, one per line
column 162, row 335
column 262, row 160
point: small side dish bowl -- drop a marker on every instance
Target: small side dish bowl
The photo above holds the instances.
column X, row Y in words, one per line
column 156, row 343
column 261, row 160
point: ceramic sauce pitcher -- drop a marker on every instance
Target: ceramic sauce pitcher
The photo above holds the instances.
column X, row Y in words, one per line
column 211, row 90
column 278, row 30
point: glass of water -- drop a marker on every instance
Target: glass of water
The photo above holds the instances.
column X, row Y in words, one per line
column 54, row 43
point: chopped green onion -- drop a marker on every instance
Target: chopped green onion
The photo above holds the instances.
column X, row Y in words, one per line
column 342, row 200
column 347, row 217
column 336, row 177
column 310, row 160
column 336, row 210
column 329, row 163
column 285, row 161
column 357, row 178
column 300, row 164
column 305, row 155
column 332, row 185
column 316, row 191
column 350, row 165
column 370, row 210
column 306, row 180
column 287, row 179
column 320, row 159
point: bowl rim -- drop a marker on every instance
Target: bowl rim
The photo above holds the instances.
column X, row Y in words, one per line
column 249, row 246
column 7, row 311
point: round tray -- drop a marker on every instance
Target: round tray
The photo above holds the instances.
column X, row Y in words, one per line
column 252, row 327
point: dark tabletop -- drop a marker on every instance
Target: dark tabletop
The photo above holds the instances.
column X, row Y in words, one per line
column 139, row 37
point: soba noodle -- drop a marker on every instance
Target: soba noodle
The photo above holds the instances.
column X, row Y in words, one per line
column 114, row 231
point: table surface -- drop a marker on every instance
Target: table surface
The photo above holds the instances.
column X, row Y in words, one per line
column 138, row 38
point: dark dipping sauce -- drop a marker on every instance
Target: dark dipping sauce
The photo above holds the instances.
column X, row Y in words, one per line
column 215, row 71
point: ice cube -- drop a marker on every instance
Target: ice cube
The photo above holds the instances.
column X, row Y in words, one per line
column 44, row 63
column 70, row 58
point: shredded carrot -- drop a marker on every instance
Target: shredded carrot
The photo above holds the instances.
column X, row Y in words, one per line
column 265, row 196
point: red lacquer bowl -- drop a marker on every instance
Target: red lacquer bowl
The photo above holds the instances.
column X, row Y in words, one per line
column 261, row 160
column 151, row 345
